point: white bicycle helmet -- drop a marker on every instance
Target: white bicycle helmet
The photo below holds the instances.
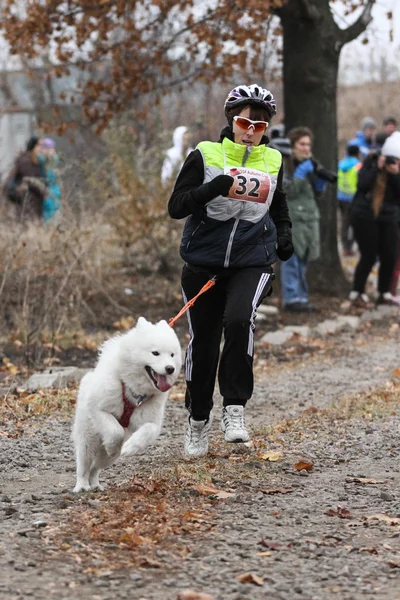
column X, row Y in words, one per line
column 254, row 95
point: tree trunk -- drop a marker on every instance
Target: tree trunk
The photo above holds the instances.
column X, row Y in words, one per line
column 310, row 66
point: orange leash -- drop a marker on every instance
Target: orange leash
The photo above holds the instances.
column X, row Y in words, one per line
column 205, row 287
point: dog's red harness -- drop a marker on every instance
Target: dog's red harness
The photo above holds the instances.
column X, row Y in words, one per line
column 129, row 407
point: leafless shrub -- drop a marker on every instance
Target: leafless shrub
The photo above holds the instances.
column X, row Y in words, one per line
column 68, row 274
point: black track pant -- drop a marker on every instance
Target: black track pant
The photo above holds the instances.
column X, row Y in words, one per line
column 377, row 240
column 229, row 308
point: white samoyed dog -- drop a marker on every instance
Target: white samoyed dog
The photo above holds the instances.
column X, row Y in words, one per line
column 120, row 405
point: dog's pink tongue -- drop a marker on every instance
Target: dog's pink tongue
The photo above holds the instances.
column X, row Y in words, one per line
column 162, row 383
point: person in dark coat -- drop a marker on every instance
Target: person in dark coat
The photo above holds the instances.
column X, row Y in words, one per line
column 374, row 218
column 25, row 186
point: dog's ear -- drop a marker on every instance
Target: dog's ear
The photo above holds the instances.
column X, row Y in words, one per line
column 141, row 322
column 164, row 323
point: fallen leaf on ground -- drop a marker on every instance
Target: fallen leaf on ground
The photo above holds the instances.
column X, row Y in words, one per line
column 361, row 480
column 271, row 456
column 264, row 553
column 250, row 578
column 396, row 372
column 303, row 465
column 369, row 550
column 150, row 563
column 131, row 538
column 209, row 490
column 277, row 491
column 395, row 564
column 340, row 512
column 384, row 518
column 191, row 595
column 270, row 545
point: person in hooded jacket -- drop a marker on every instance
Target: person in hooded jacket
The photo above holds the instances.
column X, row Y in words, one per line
column 375, row 214
column 365, row 137
column 237, row 226
column 175, row 156
column 346, row 188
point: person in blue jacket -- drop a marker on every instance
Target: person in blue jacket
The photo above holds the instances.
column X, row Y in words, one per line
column 365, row 137
column 52, row 202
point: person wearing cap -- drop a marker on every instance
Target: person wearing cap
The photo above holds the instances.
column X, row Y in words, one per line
column 346, row 188
column 52, row 202
column 237, row 226
column 375, row 214
column 364, row 138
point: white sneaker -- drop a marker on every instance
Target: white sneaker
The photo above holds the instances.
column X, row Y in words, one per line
column 196, row 438
column 233, row 425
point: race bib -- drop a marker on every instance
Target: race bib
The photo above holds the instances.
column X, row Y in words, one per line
column 250, row 184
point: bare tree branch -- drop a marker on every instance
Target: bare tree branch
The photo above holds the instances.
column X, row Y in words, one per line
column 352, row 32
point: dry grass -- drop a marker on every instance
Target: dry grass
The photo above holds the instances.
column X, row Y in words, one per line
column 19, row 408
column 70, row 275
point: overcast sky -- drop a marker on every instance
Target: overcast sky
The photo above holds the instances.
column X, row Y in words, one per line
column 358, row 61
column 365, row 60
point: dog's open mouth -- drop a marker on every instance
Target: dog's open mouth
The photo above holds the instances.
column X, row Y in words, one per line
column 160, row 381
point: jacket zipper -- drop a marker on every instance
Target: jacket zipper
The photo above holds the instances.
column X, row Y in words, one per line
column 246, row 155
column 193, row 234
column 265, row 247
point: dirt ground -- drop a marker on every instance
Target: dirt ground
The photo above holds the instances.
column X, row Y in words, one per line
column 309, row 509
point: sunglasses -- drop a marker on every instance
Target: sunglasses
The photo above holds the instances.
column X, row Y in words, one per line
column 244, row 123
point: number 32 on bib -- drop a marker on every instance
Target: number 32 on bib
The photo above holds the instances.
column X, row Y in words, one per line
column 250, row 185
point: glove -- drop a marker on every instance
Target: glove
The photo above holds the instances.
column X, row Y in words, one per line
column 285, row 247
column 220, row 185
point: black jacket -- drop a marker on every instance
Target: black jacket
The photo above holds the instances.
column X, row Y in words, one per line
column 361, row 207
column 204, row 239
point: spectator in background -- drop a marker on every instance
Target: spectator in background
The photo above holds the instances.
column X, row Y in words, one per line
column 304, row 179
column 176, row 155
column 396, row 271
column 389, row 125
column 52, row 202
column 278, row 139
column 364, row 138
column 374, row 217
column 25, row 185
column 346, row 188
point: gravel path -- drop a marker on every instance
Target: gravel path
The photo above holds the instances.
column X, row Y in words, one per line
column 332, row 532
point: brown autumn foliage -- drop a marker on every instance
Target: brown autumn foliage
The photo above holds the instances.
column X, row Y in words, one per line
column 131, row 49
column 127, row 50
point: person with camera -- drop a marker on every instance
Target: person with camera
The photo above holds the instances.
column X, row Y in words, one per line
column 375, row 213
column 304, row 180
